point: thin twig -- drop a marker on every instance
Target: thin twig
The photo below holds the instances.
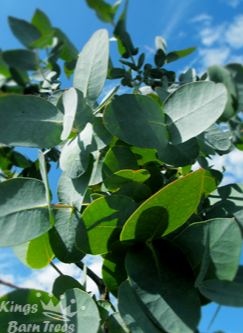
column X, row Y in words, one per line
column 214, row 317
column 94, row 277
column 56, row 268
column 8, row 284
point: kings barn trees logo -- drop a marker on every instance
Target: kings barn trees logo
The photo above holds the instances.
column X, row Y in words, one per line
column 47, row 315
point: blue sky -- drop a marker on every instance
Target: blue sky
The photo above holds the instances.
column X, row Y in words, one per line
column 215, row 27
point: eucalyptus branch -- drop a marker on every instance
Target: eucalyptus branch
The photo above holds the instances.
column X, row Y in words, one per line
column 9, row 284
column 56, row 268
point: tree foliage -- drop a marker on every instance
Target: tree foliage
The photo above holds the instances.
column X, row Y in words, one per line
column 170, row 236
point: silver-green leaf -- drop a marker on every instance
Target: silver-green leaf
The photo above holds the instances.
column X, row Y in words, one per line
column 92, row 65
column 193, row 108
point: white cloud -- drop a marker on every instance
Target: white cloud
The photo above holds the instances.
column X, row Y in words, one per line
column 210, row 35
column 233, row 34
column 204, row 17
column 233, row 165
column 43, row 279
column 212, row 56
column 220, row 43
column 233, row 3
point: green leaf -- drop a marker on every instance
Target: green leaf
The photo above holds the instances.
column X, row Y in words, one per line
column 25, row 215
column 125, row 44
column 29, row 121
column 227, row 293
column 76, row 112
column 44, row 176
column 227, row 201
column 218, row 139
column 220, row 239
column 137, row 120
column 72, row 191
column 68, row 51
column 77, row 312
column 42, row 22
column 122, row 177
column 117, row 158
column 26, row 32
column 75, row 155
column 37, row 253
column 96, row 176
column 101, row 136
column 161, row 277
column 4, row 70
column 92, row 66
column 221, row 75
column 159, row 215
column 175, row 55
column 134, row 190
column 180, row 155
column 211, row 180
column 63, row 235
column 116, row 324
column 236, row 71
column 102, row 221
column 104, row 10
column 64, row 283
column 133, row 313
column 113, row 269
column 105, row 307
column 87, row 318
column 24, row 60
column 203, row 103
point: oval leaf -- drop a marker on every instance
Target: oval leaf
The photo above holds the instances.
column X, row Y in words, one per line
column 75, row 155
column 193, row 108
column 92, row 66
column 160, row 215
column 227, row 293
column 29, row 121
column 163, row 282
column 102, row 220
column 132, row 311
column 25, row 215
column 37, row 253
column 63, row 235
column 76, row 112
column 220, row 239
column 87, row 318
column 137, row 120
